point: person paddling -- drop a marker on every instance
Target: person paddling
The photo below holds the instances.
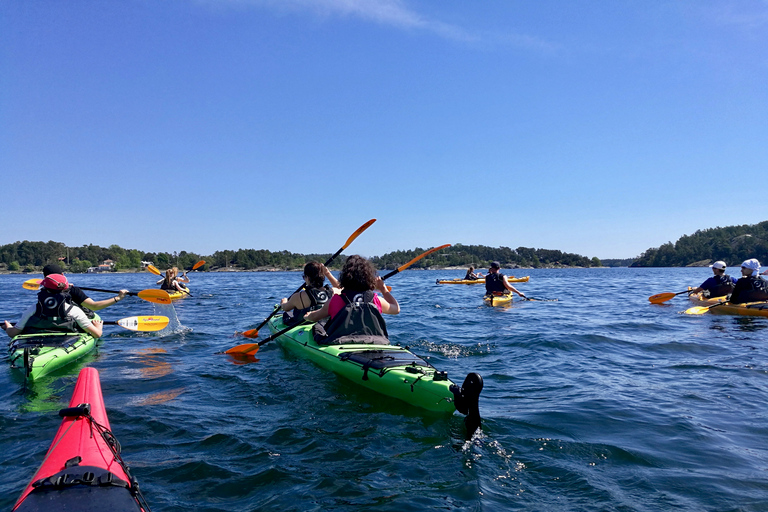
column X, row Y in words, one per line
column 79, row 296
column 496, row 283
column 355, row 314
column 55, row 311
column 719, row 285
column 314, row 295
column 170, row 282
column 472, row 275
column 751, row 287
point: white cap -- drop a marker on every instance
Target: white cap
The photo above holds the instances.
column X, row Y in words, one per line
column 752, row 264
column 718, row 264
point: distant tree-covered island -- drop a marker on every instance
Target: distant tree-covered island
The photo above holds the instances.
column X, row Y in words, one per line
column 29, row 256
column 732, row 244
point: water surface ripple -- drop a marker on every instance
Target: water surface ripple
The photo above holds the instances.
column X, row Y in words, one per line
column 596, row 401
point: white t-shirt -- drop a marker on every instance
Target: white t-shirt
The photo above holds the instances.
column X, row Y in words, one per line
column 78, row 314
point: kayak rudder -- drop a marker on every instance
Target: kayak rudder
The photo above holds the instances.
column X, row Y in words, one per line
column 467, row 401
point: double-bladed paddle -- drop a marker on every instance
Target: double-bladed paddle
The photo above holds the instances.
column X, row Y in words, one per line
column 254, row 333
column 150, row 295
column 251, row 348
column 136, row 323
column 664, row 297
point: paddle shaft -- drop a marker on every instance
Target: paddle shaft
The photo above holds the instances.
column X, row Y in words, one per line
column 133, row 294
column 414, row 260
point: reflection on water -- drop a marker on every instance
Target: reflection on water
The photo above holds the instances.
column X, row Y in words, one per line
column 749, row 324
column 154, row 364
column 160, row 397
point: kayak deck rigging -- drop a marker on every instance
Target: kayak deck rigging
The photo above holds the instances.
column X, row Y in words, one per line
column 391, row 370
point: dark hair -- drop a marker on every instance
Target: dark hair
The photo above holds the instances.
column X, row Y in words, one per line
column 314, row 271
column 52, row 269
column 357, row 275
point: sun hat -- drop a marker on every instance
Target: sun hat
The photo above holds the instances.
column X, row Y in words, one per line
column 55, row 282
column 52, row 269
column 718, row 264
column 752, row 264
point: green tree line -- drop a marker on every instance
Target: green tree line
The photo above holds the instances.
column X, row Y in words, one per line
column 732, row 244
column 33, row 255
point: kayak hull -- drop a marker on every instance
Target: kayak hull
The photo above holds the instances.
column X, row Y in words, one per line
column 481, row 281
column 746, row 309
column 409, row 378
column 177, row 295
column 81, row 471
column 498, row 300
column 37, row 355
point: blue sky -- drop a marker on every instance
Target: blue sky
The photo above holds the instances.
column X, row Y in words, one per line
column 594, row 127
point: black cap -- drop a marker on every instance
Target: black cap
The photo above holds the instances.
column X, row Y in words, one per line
column 52, row 269
column 495, row 264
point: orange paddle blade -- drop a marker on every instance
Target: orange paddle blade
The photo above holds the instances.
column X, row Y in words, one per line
column 661, row 297
column 244, row 349
column 154, row 270
column 357, row 233
column 425, row 254
column 251, row 333
column 155, row 296
column 198, row 264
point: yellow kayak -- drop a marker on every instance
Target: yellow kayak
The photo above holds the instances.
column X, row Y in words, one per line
column 510, row 279
column 721, row 307
column 498, row 300
column 177, row 295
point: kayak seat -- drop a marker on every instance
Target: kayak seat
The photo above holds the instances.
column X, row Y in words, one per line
column 81, row 488
column 382, row 359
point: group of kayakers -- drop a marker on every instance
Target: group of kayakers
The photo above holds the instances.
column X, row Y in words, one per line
column 61, row 306
column 348, row 311
column 749, row 288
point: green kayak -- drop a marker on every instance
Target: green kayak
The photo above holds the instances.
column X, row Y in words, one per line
column 42, row 353
column 391, row 370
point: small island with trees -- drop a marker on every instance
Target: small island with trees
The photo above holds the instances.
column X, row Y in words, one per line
column 732, row 244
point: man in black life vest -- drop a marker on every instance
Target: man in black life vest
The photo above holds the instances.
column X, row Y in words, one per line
column 496, row 282
column 751, row 287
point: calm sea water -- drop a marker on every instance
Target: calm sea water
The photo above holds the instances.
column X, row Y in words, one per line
column 598, row 401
